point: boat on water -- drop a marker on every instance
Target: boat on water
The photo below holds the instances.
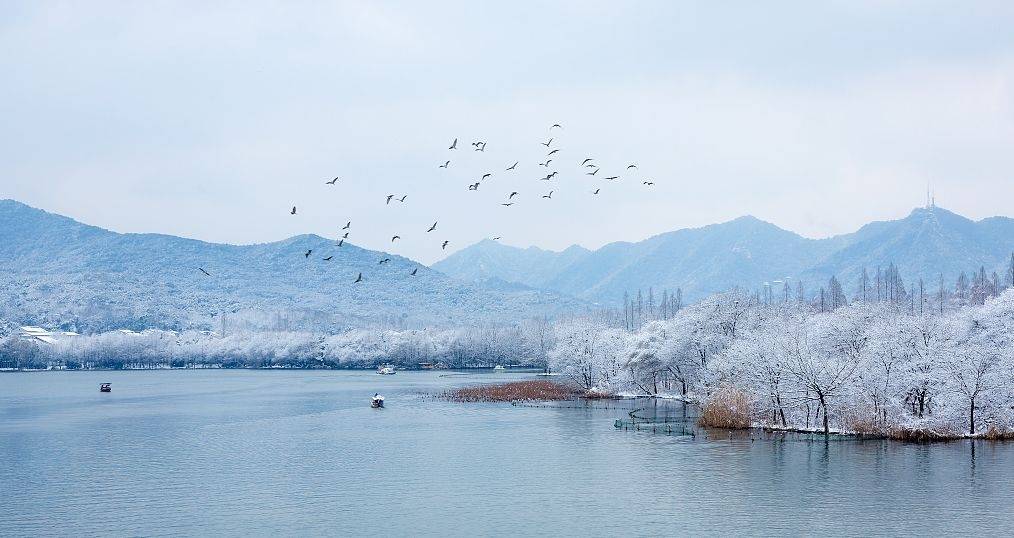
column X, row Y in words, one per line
column 386, row 370
column 106, row 387
column 498, row 368
column 377, row 402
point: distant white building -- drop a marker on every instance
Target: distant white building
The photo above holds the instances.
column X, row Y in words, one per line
column 38, row 334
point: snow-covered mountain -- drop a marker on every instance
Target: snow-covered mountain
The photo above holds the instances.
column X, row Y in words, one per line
column 747, row 252
column 55, row 271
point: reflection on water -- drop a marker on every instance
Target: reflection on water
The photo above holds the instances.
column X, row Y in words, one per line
column 280, row 452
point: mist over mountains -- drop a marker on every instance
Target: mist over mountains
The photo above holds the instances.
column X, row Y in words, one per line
column 747, row 252
column 57, row 272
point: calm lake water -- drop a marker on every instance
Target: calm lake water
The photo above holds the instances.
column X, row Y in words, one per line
column 301, row 453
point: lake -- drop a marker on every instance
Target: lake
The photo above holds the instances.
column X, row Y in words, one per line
column 259, row 453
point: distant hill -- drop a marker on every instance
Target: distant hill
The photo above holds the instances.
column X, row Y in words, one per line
column 746, row 252
column 55, row 271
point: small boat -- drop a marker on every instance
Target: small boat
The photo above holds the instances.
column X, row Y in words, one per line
column 386, row 370
column 499, row 368
column 106, row 387
column 377, row 402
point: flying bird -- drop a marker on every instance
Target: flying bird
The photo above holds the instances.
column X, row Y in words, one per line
column 481, row 146
column 546, row 164
column 591, row 165
column 593, row 173
column 484, row 176
column 596, row 191
column 359, row 279
column 552, row 152
column 613, row 177
column 556, row 125
column 547, row 143
column 345, row 235
column 201, row 269
column 328, row 258
column 552, row 175
column 445, row 164
column 395, row 237
column 512, row 195
column 414, row 271
column 293, row 210
column 385, row 260
column 549, row 196
column 473, row 186
column 347, row 225
column 649, row 183
column 402, row 199
column 511, row 167
column 629, row 166
column 444, row 246
column 454, row 145
column 307, row 255
column 434, row 227
column 586, row 161
column 389, row 196
column 507, row 204
column 341, row 242
column 497, row 238
column 332, row 182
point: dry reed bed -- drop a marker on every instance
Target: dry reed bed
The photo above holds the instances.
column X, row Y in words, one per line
column 516, row 391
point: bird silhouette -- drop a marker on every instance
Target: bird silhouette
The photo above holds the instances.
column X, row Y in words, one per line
column 591, row 165
column 347, row 225
column 547, row 142
column 593, row 173
column 402, row 199
column 556, row 125
column 546, row 164
column 507, row 204
column 395, row 237
column 549, row 196
column 629, row 166
column 613, row 177
column 345, row 235
column 473, row 186
column 389, row 196
column 414, row 271
column 484, row 176
column 307, row 255
column 201, row 269
column 434, row 227
column 511, row 167
column 454, row 145
column 329, row 258
column 648, row 183
column 293, row 210
column 497, row 238
column 445, row 164
column 359, row 279
column 586, row 161
column 385, row 260
column 481, row 146
column 552, row 152
column 596, row 191
column 332, row 182
column 512, row 195
column 444, row 246
column 341, row 242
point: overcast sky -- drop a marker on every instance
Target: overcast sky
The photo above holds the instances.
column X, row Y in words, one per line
column 212, row 121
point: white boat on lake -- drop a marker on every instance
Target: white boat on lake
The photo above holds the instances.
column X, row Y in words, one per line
column 386, row 370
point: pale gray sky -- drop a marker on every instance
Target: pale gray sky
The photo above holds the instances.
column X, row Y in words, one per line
column 212, row 121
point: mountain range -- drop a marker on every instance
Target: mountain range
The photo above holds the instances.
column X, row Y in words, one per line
column 57, row 272
column 746, row 253
column 60, row 273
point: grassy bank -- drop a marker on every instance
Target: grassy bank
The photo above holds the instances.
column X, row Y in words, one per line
column 516, row 391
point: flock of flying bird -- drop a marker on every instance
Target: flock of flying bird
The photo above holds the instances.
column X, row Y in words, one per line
column 588, row 165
